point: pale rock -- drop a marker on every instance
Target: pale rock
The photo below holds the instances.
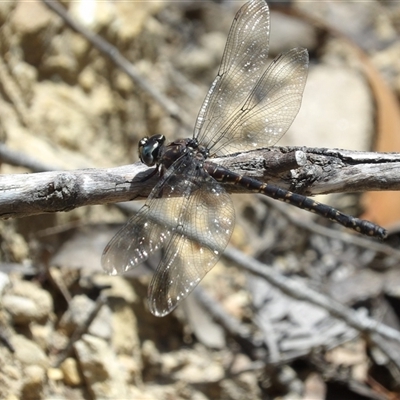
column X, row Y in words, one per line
column 79, row 46
column 55, row 374
column 119, row 287
column 195, row 373
column 34, row 378
column 70, row 370
column 62, row 64
column 87, row 79
column 21, row 309
column 42, row 334
column 330, row 119
column 101, row 326
column 63, row 114
column 288, row 32
column 103, row 374
column 26, row 76
column 10, row 375
column 123, row 83
column 125, row 337
column 28, row 352
column 93, row 14
column 196, row 60
column 42, row 299
column 4, row 282
column 151, row 355
column 30, row 17
column 18, row 247
column 133, row 17
column 6, row 7
column 133, row 367
column 33, row 144
column 78, row 313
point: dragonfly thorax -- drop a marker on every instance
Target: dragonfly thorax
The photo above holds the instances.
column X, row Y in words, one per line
column 178, row 148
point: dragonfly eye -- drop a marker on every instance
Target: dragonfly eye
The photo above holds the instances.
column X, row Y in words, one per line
column 149, row 149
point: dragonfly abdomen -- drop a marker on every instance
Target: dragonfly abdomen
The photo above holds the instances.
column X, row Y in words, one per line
column 368, row 228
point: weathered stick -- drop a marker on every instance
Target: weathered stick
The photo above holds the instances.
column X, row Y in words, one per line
column 305, row 171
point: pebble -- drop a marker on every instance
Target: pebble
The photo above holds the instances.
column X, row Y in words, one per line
column 30, row 18
column 28, row 352
column 70, row 370
column 55, row 374
column 125, row 337
column 343, row 121
column 77, row 314
column 21, row 309
column 38, row 302
column 4, row 282
column 34, row 379
column 289, row 32
column 103, row 373
column 80, row 308
column 43, row 335
column 6, row 7
column 119, row 287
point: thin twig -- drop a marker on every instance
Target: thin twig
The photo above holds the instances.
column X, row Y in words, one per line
column 20, row 159
column 6, row 341
column 270, row 339
column 80, row 330
column 13, row 92
column 230, row 323
column 299, row 291
column 342, row 235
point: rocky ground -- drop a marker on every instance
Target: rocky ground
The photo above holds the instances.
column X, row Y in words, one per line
column 68, row 331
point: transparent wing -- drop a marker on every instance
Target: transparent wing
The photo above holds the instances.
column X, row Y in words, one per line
column 204, row 228
column 270, row 108
column 249, row 105
column 150, row 229
column 243, row 62
column 135, row 241
column 191, row 217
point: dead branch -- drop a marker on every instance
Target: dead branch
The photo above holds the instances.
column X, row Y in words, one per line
column 301, row 170
column 305, row 171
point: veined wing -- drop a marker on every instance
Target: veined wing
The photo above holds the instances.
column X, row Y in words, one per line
column 191, row 217
column 243, row 62
column 248, row 105
column 150, row 229
column 203, row 230
column 270, row 108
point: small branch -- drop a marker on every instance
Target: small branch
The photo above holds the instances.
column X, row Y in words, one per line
column 80, row 330
column 319, row 171
column 356, row 240
column 30, row 194
column 20, row 159
column 231, row 324
column 295, row 289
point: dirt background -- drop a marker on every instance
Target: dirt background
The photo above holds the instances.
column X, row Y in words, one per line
column 70, row 332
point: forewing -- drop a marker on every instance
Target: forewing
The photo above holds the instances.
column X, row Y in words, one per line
column 269, row 109
column 150, row 229
column 243, row 62
column 205, row 226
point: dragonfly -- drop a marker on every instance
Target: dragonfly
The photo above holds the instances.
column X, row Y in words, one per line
column 188, row 215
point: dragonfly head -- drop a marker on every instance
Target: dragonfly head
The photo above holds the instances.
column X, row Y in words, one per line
column 149, row 149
